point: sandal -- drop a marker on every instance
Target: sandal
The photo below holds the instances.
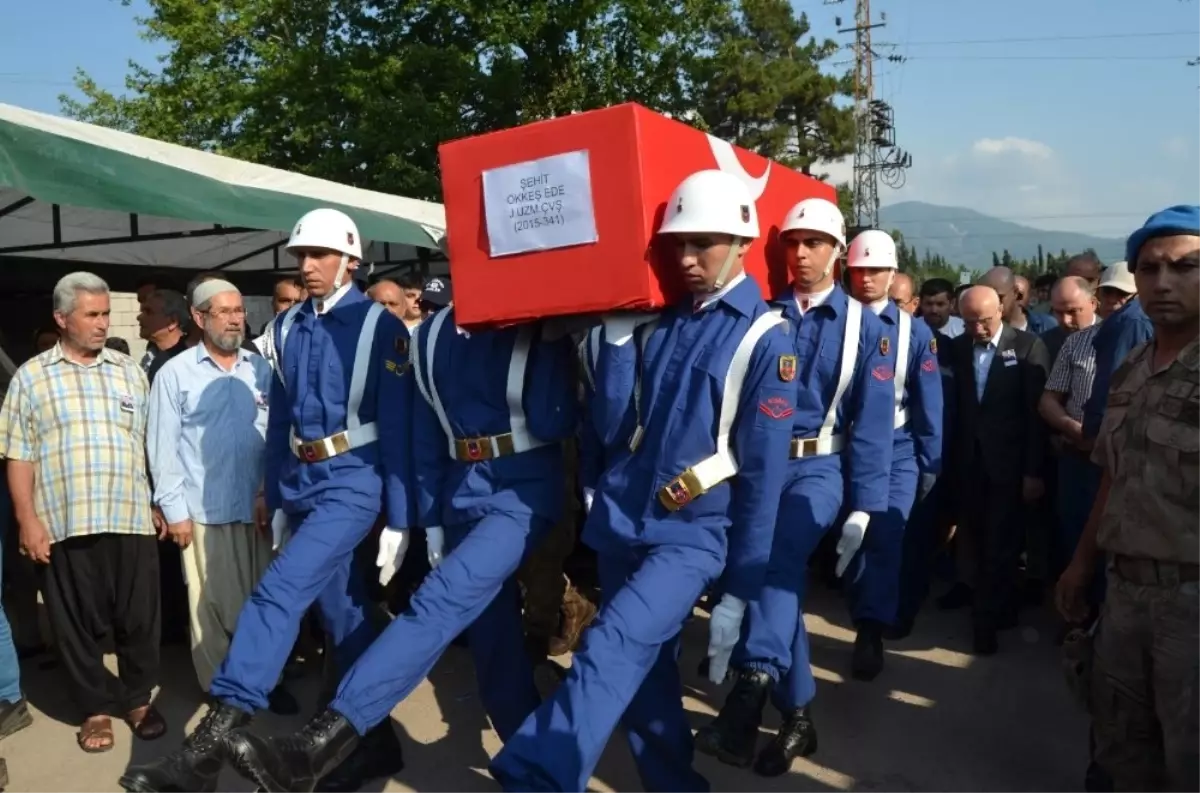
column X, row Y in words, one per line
column 146, row 723
column 95, row 735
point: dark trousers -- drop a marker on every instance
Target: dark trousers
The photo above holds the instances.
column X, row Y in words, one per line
column 922, row 537
column 100, row 589
column 992, row 534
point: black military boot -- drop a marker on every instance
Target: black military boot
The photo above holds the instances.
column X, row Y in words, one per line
column 796, row 738
column 292, row 762
column 732, row 736
column 377, row 756
column 867, row 661
column 194, row 766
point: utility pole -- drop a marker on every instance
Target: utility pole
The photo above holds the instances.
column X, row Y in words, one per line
column 876, row 157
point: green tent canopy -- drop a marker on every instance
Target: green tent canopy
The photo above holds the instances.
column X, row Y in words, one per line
column 71, row 191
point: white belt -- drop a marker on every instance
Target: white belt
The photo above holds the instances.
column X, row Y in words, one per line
column 338, row 443
column 819, row 446
column 901, row 418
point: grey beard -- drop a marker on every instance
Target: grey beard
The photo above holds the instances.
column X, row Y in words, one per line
column 227, row 342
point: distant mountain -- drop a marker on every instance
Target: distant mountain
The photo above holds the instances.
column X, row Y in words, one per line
column 965, row 236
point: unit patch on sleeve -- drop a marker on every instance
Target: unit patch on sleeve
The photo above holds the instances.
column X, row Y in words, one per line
column 933, row 346
column 882, row 373
column 885, row 345
column 787, row 368
column 402, row 345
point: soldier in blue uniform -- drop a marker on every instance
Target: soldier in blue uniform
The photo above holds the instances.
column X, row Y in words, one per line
column 874, row 594
column 338, row 448
column 701, row 399
column 841, row 450
column 494, row 409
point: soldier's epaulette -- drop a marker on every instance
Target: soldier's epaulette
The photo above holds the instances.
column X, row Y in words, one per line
column 1134, row 357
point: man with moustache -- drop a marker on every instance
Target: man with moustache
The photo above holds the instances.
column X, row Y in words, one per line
column 207, row 424
column 1145, row 713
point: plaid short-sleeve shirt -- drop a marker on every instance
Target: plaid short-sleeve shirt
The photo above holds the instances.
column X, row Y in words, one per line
column 84, row 429
column 1074, row 370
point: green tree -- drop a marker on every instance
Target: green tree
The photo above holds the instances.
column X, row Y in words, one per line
column 762, row 87
column 362, row 92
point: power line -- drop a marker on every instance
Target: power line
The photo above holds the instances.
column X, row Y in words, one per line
column 1084, row 37
column 1041, row 57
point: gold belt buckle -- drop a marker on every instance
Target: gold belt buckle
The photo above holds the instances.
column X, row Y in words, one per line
column 315, row 451
column 473, row 450
column 680, row 491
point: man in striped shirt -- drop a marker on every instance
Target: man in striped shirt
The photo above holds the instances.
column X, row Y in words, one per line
column 73, row 430
column 1062, row 406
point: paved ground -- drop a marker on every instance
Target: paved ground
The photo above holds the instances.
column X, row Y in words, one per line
column 937, row 719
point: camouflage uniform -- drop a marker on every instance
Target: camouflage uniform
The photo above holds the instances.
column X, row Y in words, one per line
column 1146, row 684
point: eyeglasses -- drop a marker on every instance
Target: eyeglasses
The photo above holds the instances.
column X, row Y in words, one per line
column 226, row 313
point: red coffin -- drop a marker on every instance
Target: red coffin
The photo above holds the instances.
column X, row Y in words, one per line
column 631, row 161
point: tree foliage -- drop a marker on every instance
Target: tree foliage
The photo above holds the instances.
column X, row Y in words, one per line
column 363, row 91
column 925, row 266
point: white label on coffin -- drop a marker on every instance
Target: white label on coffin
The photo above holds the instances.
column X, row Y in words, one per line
column 539, row 205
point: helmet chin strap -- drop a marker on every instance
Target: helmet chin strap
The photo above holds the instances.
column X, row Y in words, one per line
column 341, row 273
column 730, row 258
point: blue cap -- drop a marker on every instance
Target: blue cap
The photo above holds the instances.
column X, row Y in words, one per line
column 1172, row 221
column 437, row 292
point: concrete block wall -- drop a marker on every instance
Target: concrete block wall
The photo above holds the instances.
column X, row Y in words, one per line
column 125, row 309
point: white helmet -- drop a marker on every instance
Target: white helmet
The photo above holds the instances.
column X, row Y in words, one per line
column 329, row 229
column 712, row 202
column 873, row 248
column 816, row 214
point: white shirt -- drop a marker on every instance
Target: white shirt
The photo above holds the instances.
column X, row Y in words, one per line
column 879, row 305
column 984, row 353
column 701, row 302
column 322, row 305
column 814, row 299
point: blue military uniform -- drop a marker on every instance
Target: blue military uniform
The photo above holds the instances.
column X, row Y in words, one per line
column 337, row 449
column 921, row 534
column 839, row 455
column 916, row 452
column 661, row 538
column 495, row 407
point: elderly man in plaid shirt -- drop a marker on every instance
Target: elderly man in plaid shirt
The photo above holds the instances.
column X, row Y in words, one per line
column 73, row 430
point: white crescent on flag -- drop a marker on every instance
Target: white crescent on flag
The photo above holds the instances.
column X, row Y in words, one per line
column 728, row 162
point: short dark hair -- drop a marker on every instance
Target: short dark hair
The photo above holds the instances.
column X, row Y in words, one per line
column 175, row 307
column 409, row 281
column 936, row 286
column 1046, row 280
column 1089, row 258
column 117, row 343
column 291, row 280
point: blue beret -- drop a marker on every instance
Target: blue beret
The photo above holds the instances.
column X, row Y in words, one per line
column 1179, row 219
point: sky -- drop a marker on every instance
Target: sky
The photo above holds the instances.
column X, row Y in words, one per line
column 1073, row 115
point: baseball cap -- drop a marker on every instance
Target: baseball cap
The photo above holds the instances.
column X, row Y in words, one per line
column 437, row 292
column 1117, row 276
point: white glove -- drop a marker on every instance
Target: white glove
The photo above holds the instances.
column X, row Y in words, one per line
column 589, row 495
column 279, row 526
column 853, row 531
column 724, row 630
column 619, row 326
column 392, row 545
column 435, row 543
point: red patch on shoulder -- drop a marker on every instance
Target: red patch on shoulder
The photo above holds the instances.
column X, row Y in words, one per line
column 776, row 408
column 883, row 373
column 928, row 365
